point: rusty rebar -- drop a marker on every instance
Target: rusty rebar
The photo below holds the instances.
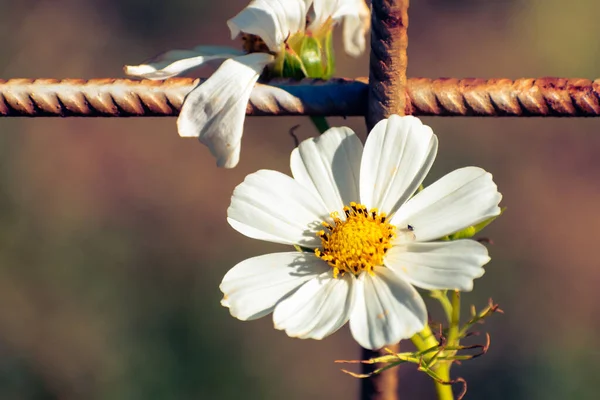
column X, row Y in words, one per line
column 387, row 96
column 388, row 60
column 558, row 97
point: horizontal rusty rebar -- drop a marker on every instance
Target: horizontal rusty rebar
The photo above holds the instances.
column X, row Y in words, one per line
column 560, row 97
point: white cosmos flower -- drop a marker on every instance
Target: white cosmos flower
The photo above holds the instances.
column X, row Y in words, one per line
column 215, row 110
column 373, row 238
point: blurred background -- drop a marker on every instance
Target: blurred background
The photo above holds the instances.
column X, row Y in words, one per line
column 113, row 238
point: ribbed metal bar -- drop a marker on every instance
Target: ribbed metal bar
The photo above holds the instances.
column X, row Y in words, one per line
column 557, row 97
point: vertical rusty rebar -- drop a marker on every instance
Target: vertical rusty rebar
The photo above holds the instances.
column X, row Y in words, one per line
column 388, row 61
column 387, row 96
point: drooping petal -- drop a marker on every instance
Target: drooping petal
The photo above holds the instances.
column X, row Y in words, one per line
column 386, row 310
column 175, row 62
column 462, row 198
column 354, row 13
column 398, row 155
column 439, row 265
column 356, row 26
column 215, row 111
column 273, row 20
column 272, row 206
column 329, row 165
column 322, row 13
column 318, row 309
column 254, row 286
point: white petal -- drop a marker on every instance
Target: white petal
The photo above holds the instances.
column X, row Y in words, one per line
column 355, row 14
column 253, row 287
column 316, row 310
column 272, row 206
column 462, row 198
column 386, row 310
column 398, row 155
column 273, row 20
column 439, row 265
column 175, row 62
column 322, row 11
column 356, row 26
column 215, row 111
column 329, row 165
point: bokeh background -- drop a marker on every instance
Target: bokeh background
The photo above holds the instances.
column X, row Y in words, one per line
column 113, row 238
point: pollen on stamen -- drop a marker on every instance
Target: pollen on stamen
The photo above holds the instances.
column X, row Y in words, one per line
column 358, row 243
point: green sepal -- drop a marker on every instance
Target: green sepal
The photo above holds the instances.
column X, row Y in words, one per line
column 471, row 231
column 277, row 66
column 310, row 54
column 292, row 67
column 329, row 56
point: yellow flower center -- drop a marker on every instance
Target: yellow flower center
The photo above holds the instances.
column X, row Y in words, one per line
column 358, row 243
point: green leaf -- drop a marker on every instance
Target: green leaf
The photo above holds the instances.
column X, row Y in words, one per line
column 310, row 54
column 471, row 231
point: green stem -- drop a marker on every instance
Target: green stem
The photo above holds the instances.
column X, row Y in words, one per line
column 453, row 336
column 444, row 390
column 425, row 340
column 320, row 123
column 442, row 297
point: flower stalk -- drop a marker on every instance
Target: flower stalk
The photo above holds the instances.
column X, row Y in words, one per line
column 426, row 340
column 320, row 123
column 435, row 356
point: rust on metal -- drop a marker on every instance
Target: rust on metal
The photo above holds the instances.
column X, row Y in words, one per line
column 544, row 97
column 504, row 97
column 388, row 60
column 130, row 98
column 387, row 96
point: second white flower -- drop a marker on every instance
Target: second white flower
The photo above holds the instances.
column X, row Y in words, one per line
column 372, row 238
